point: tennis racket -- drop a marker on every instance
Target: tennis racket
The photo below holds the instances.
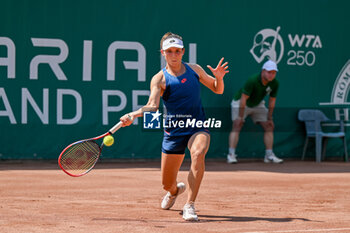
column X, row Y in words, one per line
column 80, row 157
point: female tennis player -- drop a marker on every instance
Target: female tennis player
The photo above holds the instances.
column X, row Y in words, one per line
column 179, row 86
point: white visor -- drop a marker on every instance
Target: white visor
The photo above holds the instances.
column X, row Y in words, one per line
column 172, row 42
column 270, row 65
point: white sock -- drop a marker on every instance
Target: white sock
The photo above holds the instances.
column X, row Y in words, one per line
column 268, row 152
column 231, row 151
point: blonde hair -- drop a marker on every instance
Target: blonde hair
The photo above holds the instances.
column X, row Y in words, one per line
column 169, row 35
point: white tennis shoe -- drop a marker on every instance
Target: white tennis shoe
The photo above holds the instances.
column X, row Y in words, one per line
column 169, row 200
column 231, row 158
column 272, row 159
column 189, row 212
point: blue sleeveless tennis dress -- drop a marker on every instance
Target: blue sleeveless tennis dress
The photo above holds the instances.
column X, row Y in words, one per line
column 183, row 108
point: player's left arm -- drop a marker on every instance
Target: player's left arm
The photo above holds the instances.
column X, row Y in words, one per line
column 216, row 83
column 272, row 103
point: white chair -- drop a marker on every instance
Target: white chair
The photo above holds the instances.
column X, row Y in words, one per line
column 313, row 120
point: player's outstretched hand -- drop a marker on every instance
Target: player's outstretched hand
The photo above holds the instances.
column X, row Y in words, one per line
column 220, row 70
column 127, row 120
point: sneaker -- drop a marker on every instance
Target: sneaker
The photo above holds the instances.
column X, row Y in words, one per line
column 231, row 158
column 169, row 200
column 189, row 213
column 272, row 159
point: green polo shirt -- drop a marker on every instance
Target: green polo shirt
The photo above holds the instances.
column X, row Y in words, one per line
column 256, row 90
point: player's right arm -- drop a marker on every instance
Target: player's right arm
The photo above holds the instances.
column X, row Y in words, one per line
column 238, row 123
column 157, row 88
column 242, row 105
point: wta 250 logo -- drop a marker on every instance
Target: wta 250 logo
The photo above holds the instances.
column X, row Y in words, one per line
column 269, row 44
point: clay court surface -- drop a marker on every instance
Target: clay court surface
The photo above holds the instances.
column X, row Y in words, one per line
column 125, row 197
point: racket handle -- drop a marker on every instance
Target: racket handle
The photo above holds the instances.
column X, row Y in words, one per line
column 116, row 127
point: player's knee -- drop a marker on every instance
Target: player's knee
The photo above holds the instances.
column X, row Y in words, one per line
column 198, row 154
column 237, row 128
column 270, row 128
column 267, row 127
column 197, row 162
column 233, row 127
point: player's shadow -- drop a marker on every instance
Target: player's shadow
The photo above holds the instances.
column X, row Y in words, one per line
column 224, row 218
column 220, row 218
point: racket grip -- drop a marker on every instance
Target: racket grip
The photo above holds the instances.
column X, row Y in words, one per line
column 116, row 127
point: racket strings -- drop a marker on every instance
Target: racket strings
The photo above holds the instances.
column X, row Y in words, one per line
column 80, row 157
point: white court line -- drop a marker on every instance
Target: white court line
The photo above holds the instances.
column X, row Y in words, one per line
column 310, row 230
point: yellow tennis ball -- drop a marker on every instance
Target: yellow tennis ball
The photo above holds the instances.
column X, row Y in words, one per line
column 108, row 140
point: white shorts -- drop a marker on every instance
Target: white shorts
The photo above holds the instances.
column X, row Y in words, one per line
column 257, row 113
